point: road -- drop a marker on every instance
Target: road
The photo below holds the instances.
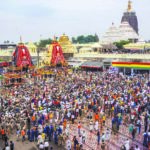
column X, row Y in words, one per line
column 19, row 145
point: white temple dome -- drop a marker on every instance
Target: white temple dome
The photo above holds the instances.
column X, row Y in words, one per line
column 127, row 32
column 112, row 35
column 123, row 32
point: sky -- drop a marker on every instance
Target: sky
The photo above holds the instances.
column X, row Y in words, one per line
column 41, row 19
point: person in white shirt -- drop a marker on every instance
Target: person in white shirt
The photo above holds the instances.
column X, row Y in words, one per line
column 83, row 136
column 46, row 145
column 57, row 115
column 96, row 125
column 68, row 114
column 67, row 131
column 103, row 137
column 40, row 139
column 127, row 144
column 72, row 117
column 7, row 147
column 40, row 128
column 107, row 135
column 80, row 139
column 137, row 148
column 68, row 144
column 91, row 127
column 41, row 146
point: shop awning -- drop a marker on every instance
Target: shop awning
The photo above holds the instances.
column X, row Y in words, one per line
column 92, row 65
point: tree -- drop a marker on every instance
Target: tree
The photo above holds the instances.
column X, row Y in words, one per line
column 74, row 40
column 96, row 38
column 81, row 39
column 85, row 39
column 121, row 43
column 44, row 42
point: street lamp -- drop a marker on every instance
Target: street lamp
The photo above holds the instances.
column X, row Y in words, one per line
column 38, row 51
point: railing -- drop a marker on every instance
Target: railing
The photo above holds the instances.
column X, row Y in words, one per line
column 91, row 55
column 123, row 56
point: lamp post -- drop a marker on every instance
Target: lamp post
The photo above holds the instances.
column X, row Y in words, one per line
column 38, row 51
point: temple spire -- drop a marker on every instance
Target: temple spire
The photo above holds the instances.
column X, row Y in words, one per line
column 20, row 39
column 21, row 43
column 129, row 6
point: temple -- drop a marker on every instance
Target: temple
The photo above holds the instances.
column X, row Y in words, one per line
column 130, row 17
column 68, row 48
column 123, row 32
column 127, row 30
column 22, row 56
column 111, row 35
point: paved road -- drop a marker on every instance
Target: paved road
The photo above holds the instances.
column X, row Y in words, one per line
column 115, row 140
column 28, row 145
column 1, row 144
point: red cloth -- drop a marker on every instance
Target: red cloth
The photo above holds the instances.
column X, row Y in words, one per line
column 22, row 56
column 4, row 64
column 57, row 54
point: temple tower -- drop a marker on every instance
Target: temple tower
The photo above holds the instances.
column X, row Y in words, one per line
column 130, row 17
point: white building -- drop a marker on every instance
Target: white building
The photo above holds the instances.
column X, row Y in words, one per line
column 127, row 32
column 123, row 32
column 112, row 35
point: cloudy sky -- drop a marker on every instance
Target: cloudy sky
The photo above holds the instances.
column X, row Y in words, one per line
column 32, row 18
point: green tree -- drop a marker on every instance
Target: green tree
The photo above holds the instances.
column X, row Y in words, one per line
column 96, row 38
column 74, row 40
column 89, row 39
column 81, row 39
column 121, row 43
column 44, row 42
column 85, row 39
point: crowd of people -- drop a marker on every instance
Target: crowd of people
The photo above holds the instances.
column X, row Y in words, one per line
column 46, row 107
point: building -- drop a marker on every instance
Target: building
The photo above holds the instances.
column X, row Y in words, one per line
column 68, row 48
column 32, row 47
column 130, row 16
column 123, row 32
column 7, row 46
column 127, row 32
column 111, row 35
column 145, row 47
column 128, row 29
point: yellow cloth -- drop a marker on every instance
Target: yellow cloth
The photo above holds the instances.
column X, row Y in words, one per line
column 41, row 108
column 104, row 118
column 43, row 136
column 51, row 116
